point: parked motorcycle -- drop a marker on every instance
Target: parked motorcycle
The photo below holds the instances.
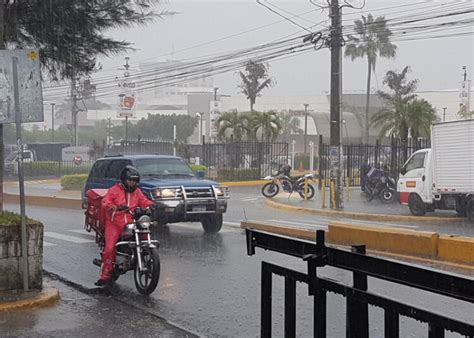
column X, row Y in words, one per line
column 134, row 251
column 281, row 177
column 379, row 183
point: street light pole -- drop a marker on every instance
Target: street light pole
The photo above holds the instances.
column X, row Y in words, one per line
column 52, row 121
column 444, row 114
column 305, row 125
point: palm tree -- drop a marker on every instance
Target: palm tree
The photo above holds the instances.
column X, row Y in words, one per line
column 232, row 123
column 289, row 125
column 254, row 80
column 267, row 124
column 405, row 112
column 372, row 40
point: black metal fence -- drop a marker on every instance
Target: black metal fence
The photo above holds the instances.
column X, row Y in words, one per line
column 389, row 156
column 357, row 297
column 51, row 168
column 238, row 161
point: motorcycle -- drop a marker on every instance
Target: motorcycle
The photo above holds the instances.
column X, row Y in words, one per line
column 378, row 183
column 281, row 177
column 134, row 251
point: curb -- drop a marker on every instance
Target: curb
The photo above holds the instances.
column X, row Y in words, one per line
column 359, row 215
column 243, row 183
column 44, row 201
column 44, row 298
column 420, row 245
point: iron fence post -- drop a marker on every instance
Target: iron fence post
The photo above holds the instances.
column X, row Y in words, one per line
column 290, row 307
column 266, row 310
column 357, row 320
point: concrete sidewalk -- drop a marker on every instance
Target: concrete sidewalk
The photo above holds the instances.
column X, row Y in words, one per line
column 357, row 207
column 83, row 313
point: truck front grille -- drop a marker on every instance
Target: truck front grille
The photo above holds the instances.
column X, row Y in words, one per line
column 199, row 193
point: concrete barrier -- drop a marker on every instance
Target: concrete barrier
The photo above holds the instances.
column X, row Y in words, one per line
column 44, row 201
column 406, row 242
column 423, row 244
column 456, row 249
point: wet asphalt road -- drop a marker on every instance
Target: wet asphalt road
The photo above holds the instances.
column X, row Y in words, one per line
column 209, row 285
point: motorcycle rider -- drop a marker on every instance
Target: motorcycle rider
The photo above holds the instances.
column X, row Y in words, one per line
column 120, row 202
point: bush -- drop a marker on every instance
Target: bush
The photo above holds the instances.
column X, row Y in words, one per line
column 238, row 174
column 10, row 218
column 73, row 182
column 196, row 167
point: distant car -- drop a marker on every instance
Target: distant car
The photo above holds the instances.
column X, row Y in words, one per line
column 169, row 182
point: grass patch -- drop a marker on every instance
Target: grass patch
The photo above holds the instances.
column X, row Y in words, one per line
column 73, row 182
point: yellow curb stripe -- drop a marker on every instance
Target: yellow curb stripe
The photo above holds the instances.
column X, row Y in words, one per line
column 243, row 183
column 45, row 298
column 359, row 215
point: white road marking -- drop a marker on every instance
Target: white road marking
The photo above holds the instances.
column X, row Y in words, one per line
column 83, row 232
column 67, row 238
column 232, row 224
column 195, row 226
column 249, row 199
column 48, row 244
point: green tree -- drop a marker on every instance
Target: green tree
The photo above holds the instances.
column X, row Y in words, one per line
column 406, row 113
column 265, row 125
column 254, row 79
column 372, row 40
column 289, row 125
column 161, row 126
column 232, row 125
column 71, row 34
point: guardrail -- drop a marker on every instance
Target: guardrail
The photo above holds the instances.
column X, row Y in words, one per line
column 357, row 297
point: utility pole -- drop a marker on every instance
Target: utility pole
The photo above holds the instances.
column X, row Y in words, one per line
column 305, row 125
column 444, row 114
column 335, row 107
column 52, row 121
column 2, row 153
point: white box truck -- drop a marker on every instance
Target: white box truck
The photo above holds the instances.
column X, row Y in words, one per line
column 441, row 177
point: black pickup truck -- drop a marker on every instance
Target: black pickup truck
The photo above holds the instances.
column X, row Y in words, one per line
column 169, row 182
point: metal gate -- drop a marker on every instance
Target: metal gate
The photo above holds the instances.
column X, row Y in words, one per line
column 357, row 297
column 238, row 161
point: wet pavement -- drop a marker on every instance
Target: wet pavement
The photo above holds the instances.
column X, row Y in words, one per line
column 91, row 313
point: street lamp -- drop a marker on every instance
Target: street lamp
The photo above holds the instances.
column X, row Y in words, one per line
column 200, row 126
column 305, row 125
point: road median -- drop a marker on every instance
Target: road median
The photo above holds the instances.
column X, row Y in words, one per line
column 455, row 250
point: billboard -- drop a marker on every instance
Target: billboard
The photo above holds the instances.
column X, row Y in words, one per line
column 127, row 98
column 29, row 86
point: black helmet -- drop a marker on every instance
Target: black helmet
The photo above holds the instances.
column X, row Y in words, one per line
column 129, row 173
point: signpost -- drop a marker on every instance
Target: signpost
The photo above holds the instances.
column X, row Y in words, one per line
column 21, row 100
column 127, row 103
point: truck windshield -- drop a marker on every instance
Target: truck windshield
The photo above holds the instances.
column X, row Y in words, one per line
column 163, row 167
column 417, row 161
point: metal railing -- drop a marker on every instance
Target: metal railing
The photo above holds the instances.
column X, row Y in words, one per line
column 357, row 297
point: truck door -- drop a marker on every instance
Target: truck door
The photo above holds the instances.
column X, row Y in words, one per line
column 413, row 178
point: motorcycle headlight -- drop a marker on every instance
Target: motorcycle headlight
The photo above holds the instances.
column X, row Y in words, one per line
column 130, row 227
column 164, row 192
column 274, row 172
column 144, row 222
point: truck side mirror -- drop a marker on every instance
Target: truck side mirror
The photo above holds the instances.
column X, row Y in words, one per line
column 403, row 171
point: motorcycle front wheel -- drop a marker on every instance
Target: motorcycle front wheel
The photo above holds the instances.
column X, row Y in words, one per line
column 310, row 192
column 270, row 189
column 387, row 196
column 146, row 281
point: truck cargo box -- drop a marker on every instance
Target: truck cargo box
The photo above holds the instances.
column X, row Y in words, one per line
column 453, row 156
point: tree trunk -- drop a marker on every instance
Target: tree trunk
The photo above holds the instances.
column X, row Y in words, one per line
column 367, row 103
column 2, row 46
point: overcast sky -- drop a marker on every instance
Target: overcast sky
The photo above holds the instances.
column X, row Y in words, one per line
column 220, row 26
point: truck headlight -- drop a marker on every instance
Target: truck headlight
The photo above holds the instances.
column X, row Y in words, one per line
column 219, row 191
column 164, row 193
column 144, row 222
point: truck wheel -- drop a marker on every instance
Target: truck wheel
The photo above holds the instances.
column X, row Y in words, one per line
column 212, row 223
column 416, row 205
column 460, row 207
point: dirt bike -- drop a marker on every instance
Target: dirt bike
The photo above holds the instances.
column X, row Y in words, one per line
column 135, row 249
column 288, row 183
column 381, row 185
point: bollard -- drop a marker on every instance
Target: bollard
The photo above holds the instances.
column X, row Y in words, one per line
column 323, row 195
column 332, row 195
column 306, row 189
